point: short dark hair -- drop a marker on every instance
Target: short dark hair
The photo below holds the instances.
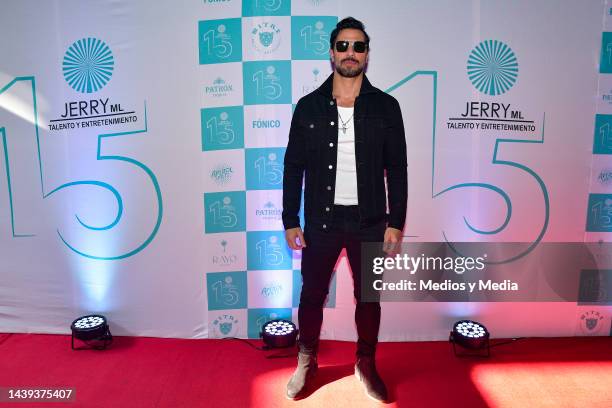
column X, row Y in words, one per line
column 348, row 22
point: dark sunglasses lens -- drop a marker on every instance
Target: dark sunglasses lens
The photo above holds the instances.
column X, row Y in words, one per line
column 342, row 46
column 359, row 46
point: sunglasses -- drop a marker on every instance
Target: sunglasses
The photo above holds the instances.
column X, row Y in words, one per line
column 358, row 46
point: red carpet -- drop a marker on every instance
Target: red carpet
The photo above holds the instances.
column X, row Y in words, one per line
column 149, row 372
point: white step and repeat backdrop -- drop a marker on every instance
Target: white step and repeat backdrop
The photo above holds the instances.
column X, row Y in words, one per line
column 143, row 142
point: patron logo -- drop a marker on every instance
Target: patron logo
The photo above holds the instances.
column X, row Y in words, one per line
column 225, row 326
column 269, row 212
column 266, row 37
column 221, row 174
column 219, row 88
column 591, row 322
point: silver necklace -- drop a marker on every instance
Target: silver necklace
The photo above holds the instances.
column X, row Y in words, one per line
column 344, row 123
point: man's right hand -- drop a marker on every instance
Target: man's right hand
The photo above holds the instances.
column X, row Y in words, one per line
column 295, row 238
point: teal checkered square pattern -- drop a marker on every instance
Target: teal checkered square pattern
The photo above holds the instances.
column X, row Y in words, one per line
column 267, row 82
column 222, row 128
column 310, row 37
column 225, row 211
column 226, row 290
column 246, row 58
column 220, row 41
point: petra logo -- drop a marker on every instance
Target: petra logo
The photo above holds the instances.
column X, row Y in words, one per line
column 266, row 37
column 591, row 321
column 225, row 325
column 492, row 67
column 88, row 65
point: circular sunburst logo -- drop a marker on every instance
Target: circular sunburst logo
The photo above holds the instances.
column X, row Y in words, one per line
column 492, row 67
column 88, row 65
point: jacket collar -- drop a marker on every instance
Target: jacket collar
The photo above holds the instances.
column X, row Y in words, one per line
column 327, row 87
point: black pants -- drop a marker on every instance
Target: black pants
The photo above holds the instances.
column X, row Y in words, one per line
column 318, row 260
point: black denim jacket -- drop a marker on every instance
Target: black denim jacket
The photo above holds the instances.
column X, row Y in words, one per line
column 379, row 145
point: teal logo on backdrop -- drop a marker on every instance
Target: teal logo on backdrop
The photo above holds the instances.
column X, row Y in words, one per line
column 492, row 67
column 272, row 290
column 222, row 174
column 297, row 289
column 225, row 212
column 605, row 59
column 219, row 88
column 225, row 325
column 265, row 37
column 251, row 8
column 267, row 250
column 258, row 317
column 267, row 82
column 220, row 41
column 222, row 128
column 264, row 168
column 310, row 37
column 602, row 141
column 599, row 217
column 88, row 65
column 226, row 290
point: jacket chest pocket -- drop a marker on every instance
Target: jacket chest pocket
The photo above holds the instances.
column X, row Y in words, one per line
column 315, row 134
column 376, row 129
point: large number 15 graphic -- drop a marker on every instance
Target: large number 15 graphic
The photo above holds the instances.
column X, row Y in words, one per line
column 20, row 94
column 486, row 186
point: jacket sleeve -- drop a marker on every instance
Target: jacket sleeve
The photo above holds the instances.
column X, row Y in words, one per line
column 396, row 167
column 293, row 173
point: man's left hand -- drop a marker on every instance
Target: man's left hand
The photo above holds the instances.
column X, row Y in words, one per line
column 392, row 240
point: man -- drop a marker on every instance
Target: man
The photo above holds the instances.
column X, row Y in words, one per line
column 343, row 138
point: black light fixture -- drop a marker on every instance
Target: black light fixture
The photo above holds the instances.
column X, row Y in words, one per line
column 279, row 333
column 91, row 328
column 470, row 335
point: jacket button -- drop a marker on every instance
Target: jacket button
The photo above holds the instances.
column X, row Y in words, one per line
column 311, row 125
column 327, row 209
column 332, row 123
column 331, row 103
column 330, row 167
column 328, row 188
column 331, row 145
column 324, row 226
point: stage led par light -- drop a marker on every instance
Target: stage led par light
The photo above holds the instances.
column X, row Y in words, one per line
column 470, row 335
column 279, row 333
column 91, row 328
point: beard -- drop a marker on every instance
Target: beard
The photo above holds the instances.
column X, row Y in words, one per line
column 349, row 72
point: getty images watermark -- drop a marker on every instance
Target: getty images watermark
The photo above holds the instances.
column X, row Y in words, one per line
column 488, row 272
